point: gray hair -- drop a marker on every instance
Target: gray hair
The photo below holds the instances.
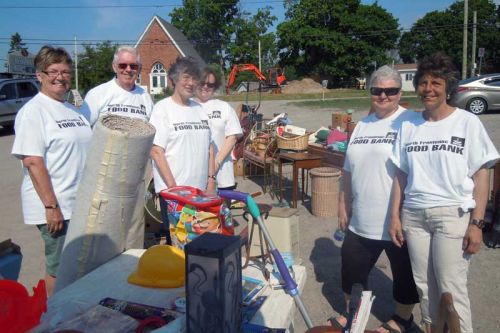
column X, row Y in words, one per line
column 386, row 73
column 183, row 66
column 126, row 48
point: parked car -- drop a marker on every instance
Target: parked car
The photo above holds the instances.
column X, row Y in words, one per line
column 14, row 93
column 478, row 94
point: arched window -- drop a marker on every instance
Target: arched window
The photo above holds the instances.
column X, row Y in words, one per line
column 158, row 78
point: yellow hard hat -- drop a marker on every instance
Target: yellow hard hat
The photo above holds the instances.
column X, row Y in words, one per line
column 161, row 266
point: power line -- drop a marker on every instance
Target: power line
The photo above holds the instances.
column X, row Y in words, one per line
column 41, row 41
column 128, row 6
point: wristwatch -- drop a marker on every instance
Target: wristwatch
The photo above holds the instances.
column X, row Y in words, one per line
column 54, row 206
column 478, row 223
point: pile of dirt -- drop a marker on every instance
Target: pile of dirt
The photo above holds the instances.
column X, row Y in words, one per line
column 304, row 86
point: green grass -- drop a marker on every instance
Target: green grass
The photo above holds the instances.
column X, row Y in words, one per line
column 356, row 104
column 334, row 98
column 266, row 96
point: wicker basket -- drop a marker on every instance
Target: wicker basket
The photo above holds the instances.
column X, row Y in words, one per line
column 292, row 141
column 325, row 191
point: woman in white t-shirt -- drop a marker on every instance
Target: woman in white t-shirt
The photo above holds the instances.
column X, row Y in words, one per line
column 442, row 185
column 182, row 152
column 364, row 201
column 225, row 127
column 51, row 141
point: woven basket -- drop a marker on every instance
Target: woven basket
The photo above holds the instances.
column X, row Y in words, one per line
column 292, row 142
column 325, row 191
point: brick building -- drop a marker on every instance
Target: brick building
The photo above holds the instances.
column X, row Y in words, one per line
column 159, row 46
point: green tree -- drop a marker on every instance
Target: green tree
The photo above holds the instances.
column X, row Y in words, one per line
column 443, row 31
column 94, row 65
column 16, row 43
column 207, row 24
column 335, row 40
column 248, row 30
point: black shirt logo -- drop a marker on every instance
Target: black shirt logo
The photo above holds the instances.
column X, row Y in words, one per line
column 391, row 135
column 215, row 115
column 455, row 140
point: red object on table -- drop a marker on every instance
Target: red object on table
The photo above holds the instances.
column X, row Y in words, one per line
column 194, row 197
column 20, row 312
column 336, row 136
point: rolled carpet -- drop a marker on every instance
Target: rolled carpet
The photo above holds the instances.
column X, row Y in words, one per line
column 106, row 196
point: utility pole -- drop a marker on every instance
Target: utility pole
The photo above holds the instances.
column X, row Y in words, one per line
column 76, row 66
column 222, row 73
column 474, row 31
column 260, row 68
column 464, row 51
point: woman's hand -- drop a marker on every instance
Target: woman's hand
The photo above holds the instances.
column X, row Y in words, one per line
column 396, row 232
column 345, row 201
column 55, row 220
column 472, row 240
column 397, row 193
column 43, row 186
column 211, row 186
column 343, row 220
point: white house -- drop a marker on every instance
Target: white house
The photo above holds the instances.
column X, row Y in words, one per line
column 407, row 72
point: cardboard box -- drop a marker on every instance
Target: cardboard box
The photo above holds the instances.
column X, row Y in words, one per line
column 283, row 226
column 340, row 120
column 238, row 167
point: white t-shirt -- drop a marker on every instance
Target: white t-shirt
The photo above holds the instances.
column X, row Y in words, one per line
column 58, row 133
column 184, row 133
column 223, row 122
column 440, row 159
column 110, row 98
column 367, row 159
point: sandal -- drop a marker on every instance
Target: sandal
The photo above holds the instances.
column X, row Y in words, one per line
column 406, row 325
column 335, row 323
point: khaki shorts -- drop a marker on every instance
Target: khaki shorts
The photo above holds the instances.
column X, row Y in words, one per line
column 53, row 247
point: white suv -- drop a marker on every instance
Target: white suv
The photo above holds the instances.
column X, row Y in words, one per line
column 14, row 93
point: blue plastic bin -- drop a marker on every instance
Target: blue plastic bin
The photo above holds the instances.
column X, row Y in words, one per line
column 10, row 265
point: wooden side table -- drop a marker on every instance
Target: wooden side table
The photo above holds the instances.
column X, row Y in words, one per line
column 302, row 160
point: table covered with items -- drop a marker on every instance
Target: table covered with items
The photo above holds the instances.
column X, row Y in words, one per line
column 196, row 285
column 109, row 282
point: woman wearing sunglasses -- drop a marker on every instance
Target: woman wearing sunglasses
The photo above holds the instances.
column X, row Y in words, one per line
column 442, row 181
column 365, row 197
column 51, row 141
column 225, row 127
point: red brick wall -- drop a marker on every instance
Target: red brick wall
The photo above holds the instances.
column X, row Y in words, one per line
column 155, row 47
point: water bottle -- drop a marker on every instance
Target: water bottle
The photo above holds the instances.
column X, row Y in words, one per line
column 339, row 235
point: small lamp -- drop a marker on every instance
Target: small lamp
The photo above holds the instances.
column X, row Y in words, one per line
column 213, row 284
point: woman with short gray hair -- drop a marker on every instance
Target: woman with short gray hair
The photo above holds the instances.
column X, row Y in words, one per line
column 364, row 201
column 182, row 152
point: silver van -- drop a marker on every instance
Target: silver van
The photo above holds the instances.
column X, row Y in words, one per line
column 14, row 93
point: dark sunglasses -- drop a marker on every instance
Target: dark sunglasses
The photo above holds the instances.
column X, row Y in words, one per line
column 133, row 67
column 209, row 85
column 375, row 91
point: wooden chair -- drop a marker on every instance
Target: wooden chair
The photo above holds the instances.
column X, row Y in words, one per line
column 261, row 154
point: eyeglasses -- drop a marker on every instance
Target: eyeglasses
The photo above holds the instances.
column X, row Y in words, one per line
column 209, row 85
column 133, row 67
column 54, row 74
column 376, row 91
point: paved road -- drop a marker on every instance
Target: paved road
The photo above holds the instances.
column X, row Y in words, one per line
column 319, row 252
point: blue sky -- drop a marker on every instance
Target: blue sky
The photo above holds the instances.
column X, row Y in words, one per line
column 59, row 26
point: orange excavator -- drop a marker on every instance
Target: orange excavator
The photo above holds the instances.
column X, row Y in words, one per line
column 275, row 77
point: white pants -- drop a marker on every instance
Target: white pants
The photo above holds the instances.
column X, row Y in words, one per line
column 434, row 237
